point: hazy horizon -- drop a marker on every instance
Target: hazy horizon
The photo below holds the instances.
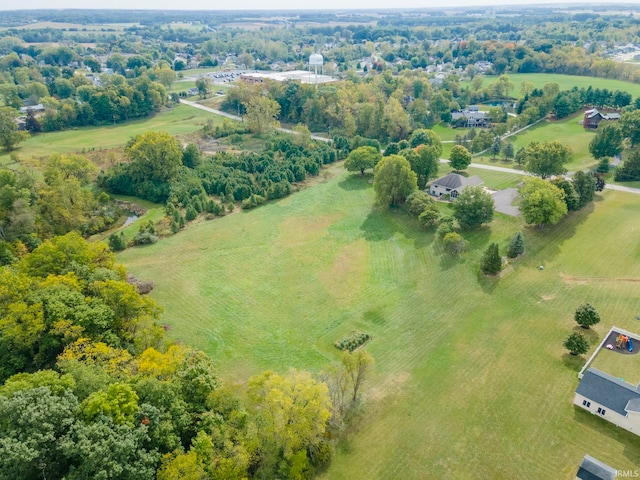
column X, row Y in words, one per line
column 285, row 4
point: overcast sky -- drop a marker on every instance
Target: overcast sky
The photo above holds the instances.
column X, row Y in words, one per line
column 266, row 4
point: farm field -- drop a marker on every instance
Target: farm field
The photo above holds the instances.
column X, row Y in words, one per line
column 179, row 120
column 471, row 380
column 567, row 82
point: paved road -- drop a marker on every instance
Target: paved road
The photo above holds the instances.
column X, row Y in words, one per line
column 481, row 166
column 239, row 119
column 608, row 186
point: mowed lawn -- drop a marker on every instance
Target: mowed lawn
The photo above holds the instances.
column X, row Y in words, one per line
column 180, row 120
column 567, row 82
column 470, row 381
column 566, row 131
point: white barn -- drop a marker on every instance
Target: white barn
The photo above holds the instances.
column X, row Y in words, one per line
column 610, row 398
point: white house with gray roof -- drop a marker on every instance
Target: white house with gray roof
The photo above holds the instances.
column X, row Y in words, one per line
column 473, row 117
column 610, row 398
column 593, row 469
column 453, row 185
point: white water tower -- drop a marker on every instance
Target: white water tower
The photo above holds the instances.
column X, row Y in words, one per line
column 315, row 61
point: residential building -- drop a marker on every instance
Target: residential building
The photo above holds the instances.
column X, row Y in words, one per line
column 610, row 398
column 452, row 185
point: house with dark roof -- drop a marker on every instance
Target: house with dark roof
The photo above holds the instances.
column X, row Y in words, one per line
column 610, row 398
column 471, row 117
column 593, row 469
column 593, row 117
column 453, row 185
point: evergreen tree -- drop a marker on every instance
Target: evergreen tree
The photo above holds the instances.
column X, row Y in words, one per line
column 508, row 151
column 496, row 146
column 117, row 242
column 491, row 261
column 191, row 213
column 516, row 246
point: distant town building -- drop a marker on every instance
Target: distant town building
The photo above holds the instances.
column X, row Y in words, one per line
column 299, row 75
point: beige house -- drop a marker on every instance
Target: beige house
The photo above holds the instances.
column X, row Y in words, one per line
column 610, row 398
column 453, row 185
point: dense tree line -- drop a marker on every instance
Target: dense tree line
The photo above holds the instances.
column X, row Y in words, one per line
column 63, row 200
column 159, row 169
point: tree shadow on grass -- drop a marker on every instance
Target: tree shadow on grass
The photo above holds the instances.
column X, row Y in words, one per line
column 356, row 182
column 543, row 249
column 382, row 225
column 488, row 283
column 573, row 362
column 377, row 227
column 478, row 237
column 591, row 335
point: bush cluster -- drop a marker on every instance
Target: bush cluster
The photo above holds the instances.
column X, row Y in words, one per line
column 355, row 340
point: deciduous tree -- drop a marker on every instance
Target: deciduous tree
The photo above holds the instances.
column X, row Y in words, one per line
column 155, row 157
column 585, row 185
column 473, row 207
column 10, row 136
column 576, row 343
column 459, row 158
column 393, row 181
column 261, row 114
column 542, row 202
column 607, row 141
column 546, row 159
column 357, row 366
column 630, row 169
column 361, row 159
column 454, row 244
column 586, row 316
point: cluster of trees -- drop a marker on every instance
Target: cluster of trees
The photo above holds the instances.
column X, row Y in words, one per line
column 71, row 99
column 161, row 170
column 60, row 201
column 91, row 389
column 385, row 107
column 547, row 202
column 570, row 101
column 491, row 262
column 586, row 316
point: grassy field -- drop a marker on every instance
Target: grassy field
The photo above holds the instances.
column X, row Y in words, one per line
column 566, row 131
column 567, row 82
column 622, row 366
column 179, row 120
column 471, row 380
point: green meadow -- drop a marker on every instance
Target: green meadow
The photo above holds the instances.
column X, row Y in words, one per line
column 566, row 131
column 567, row 82
column 176, row 121
column 471, row 380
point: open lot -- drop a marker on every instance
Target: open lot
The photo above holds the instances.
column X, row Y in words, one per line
column 179, row 120
column 566, row 131
column 471, row 380
column 567, row 82
column 620, row 365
